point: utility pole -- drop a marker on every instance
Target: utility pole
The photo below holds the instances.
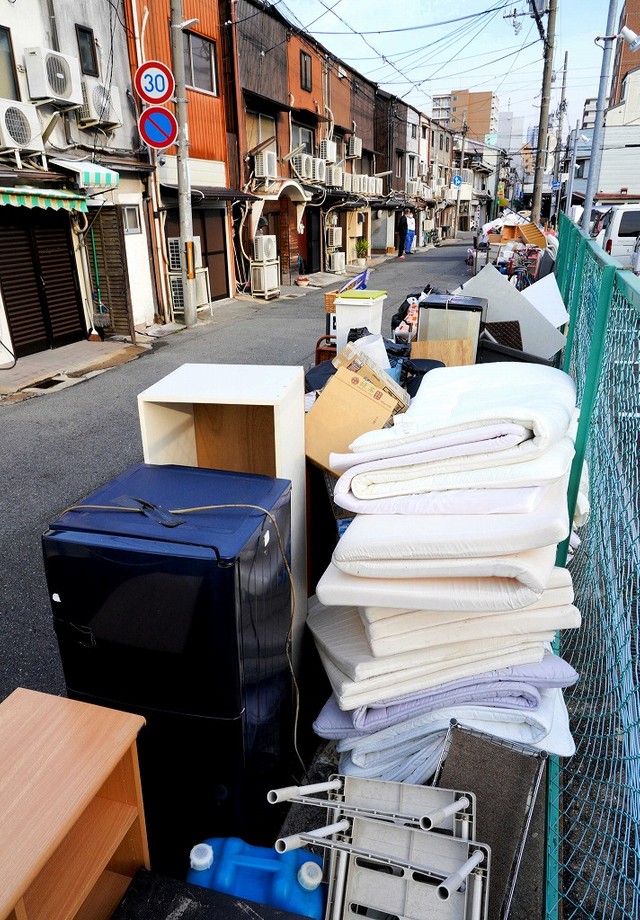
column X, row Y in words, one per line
column 597, row 141
column 555, row 198
column 543, row 126
column 464, row 129
column 572, row 170
column 184, row 178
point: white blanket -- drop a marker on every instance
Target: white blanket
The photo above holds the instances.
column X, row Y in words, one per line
column 516, row 582
column 431, row 545
column 409, row 751
column 540, row 399
column 411, row 485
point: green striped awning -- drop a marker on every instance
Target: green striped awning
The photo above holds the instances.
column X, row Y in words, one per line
column 90, row 175
column 26, row 197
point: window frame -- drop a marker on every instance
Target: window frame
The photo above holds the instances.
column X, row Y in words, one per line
column 297, row 138
column 188, row 63
column 127, row 228
column 14, row 72
column 306, row 71
column 89, row 70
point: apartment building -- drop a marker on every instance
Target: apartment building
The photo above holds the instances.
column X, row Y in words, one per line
column 479, row 111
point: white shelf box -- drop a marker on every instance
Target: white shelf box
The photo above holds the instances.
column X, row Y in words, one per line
column 246, row 418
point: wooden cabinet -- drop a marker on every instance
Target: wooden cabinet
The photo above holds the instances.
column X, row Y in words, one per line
column 72, row 825
column 246, row 418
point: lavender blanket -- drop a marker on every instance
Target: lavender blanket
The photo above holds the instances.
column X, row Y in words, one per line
column 517, row 687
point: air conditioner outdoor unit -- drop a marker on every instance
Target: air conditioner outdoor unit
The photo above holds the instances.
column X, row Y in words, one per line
column 336, row 261
column 354, row 147
column 303, row 165
column 334, row 176
column 20, row 127
column 347, row 182
column 328, row 151
column 265, row 278
column 422, row 169
column 379, row 187
column 173, row 253
column 412, row 187
column 334, row 236
column 54, row 76
column 266, row 165
column 318, row 170
column 265, row 248
column 355, row 182
column 100, row 105
column 425, row 191
column 372, row 185
column 203, row 296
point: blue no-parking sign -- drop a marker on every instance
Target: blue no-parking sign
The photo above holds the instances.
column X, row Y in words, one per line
column 158, row 127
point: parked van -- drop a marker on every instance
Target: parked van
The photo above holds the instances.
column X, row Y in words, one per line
column 618, row 231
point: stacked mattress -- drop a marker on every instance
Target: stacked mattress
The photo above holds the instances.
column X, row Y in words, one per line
column 442, row 597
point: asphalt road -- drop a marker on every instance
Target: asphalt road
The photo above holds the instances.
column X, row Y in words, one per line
column 58, row 447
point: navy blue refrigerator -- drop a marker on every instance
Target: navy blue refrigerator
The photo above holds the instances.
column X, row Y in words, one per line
column 184, row 618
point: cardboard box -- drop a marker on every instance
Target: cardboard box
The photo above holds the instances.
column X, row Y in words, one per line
column 362, row 364
column 348, row 406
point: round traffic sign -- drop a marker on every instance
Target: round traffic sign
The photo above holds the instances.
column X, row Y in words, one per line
column 457, row 181
column 154, row 82
column 158, row 127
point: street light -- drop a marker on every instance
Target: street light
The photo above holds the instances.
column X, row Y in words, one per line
column 597, row 143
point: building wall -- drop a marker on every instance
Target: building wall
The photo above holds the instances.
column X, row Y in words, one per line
column 310, row 100
column 479, row 109
column 628, row 110
column 339, row 94
column 624, row 60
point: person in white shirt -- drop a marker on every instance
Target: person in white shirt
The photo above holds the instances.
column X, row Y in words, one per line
column 411, row 233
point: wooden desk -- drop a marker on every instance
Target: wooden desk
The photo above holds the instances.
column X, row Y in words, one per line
column 72, row 831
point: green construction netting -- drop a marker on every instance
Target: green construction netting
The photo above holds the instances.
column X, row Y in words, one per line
column 595, row 809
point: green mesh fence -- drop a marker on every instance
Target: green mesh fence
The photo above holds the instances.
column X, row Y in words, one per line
column 594, row 797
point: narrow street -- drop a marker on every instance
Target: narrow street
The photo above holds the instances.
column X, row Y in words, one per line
column 60, row 446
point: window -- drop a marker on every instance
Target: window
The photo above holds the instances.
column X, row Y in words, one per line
column 260, row 128
column 304, row 136
column 424, row 132
column 399, row 164
column 433, row 138
column 305, row 71
column 411, row 166
column 131, row 218
column 8, row 79
column 441, row 142
column 414, row 131
column 446, row 143
column 87, row 51
column 200, row 63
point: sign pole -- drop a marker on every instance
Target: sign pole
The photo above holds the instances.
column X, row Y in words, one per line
column 184, row 178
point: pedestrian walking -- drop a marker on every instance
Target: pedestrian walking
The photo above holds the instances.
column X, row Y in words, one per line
column 402, row 233
column 411, row 233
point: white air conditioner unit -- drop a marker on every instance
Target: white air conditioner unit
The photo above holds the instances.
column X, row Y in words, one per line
column 379, row 187
column 303, row 165
column 413, row 187
column 203, row 295
column 334, row 236
column 265, row 248
column 334, row 176
column 354, row 147
column 425, row 191
column 318, row 170
column 347, row 182
column 328, row 151
column 372, row 185
column 266, row 165
column 265, row 278
column 54, row 76
column 422, row 168
column 362, row 183
column 173, row 253
column 20, row 127
column 100, row 105
column 336, row 262
column 355, row 182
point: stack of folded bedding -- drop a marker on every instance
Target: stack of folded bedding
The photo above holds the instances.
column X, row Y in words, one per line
column 442, row 596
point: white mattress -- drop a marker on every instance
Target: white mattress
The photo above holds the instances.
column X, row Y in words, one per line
column 541, row 399
column 520, row 582
column 439, row 546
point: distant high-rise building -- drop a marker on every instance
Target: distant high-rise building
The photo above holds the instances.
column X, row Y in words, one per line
column 510, row 131
column 479, row 111
column 624, row 59
column 589, row 112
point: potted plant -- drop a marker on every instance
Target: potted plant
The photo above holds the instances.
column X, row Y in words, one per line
column 362, row 250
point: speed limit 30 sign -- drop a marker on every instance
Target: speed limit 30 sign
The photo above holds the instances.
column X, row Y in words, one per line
column 154, row 82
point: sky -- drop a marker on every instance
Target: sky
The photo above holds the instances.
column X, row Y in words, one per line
column 420, row 48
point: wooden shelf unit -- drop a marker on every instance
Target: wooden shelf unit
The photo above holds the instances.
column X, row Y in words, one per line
column 70, row 808
column 244, row 418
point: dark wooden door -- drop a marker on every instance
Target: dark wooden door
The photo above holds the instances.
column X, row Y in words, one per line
column 38, row 278
column 109, row 274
